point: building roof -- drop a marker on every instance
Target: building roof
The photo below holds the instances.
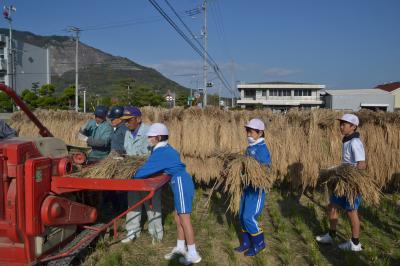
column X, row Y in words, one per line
column 282, row 83
column 389, row 86
column 356, row 91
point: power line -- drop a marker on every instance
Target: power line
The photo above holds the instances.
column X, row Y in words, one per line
column 209, row 59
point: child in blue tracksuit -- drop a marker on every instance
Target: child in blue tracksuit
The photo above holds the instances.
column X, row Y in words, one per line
column 165, row 159
column 252, row 201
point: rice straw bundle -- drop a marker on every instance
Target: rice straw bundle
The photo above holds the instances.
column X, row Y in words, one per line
column 346, row 180
column 204, row 170
column 301, row 141
column 114, row 167
column 241, row 172
column 62, row 124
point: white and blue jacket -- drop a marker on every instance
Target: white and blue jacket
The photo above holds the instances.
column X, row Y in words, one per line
column 259, row 151
column 165, row 159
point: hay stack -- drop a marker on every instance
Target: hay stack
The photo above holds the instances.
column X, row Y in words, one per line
column 114, row 167
column 204, row 170
column 301, row 141
column 62, row 124
column 242, row 171
column 346, row 180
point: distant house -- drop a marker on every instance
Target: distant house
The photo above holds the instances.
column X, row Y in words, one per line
column 355, row 100
column 31, row 64
column 394, row 89
column 280, row 95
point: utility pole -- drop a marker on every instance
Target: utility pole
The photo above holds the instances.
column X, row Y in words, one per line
column 205, row 33
column 76, row 30
column 233, row 82
column 11, row 72
column 84, row 100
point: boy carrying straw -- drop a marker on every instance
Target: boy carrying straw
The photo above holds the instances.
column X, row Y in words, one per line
column 253, row 198
column 352, row 153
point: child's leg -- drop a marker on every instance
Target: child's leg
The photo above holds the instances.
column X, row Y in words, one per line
column 179, row 229
column 333, row 216
column 355, row 223
column 187, row 228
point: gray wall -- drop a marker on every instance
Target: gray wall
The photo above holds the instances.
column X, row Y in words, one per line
column 353, row 102
column 31, row 65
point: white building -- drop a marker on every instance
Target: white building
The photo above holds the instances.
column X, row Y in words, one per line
column 31, row 65
column 356, row 99
column 280, row 95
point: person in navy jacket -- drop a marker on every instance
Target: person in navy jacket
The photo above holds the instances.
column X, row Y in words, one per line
column 252, row 201
column 165, row 159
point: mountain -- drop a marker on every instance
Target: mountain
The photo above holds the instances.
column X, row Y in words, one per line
column 100, row 72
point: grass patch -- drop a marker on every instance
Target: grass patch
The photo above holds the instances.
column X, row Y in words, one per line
column 290, row 227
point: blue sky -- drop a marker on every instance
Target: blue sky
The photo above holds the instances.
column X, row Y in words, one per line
column 341, row 43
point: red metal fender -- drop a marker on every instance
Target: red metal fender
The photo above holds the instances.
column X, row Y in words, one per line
column 61, row 211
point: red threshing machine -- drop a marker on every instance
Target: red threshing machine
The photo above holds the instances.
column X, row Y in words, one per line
column 41, row 220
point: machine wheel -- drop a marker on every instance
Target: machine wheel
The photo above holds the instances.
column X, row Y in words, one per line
column 70, row 259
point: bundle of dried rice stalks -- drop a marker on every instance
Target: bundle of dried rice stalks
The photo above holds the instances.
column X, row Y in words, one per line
column 346, row 180
column 114, row 167
column 241, row 172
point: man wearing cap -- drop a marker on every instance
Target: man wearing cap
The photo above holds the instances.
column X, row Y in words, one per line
column 118, row 134
column 6, row 131
column 118, row 199
column 97, row 133
column 352, row 153
column 136, row 144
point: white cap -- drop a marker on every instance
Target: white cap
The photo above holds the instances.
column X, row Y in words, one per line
column 157, row 129
column 255, row 123
column 352, row 119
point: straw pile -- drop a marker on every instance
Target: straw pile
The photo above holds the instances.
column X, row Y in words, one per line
column 113, row 167
column 346, row 180
column 62, row 124
column 300, row 142
column 243, row 171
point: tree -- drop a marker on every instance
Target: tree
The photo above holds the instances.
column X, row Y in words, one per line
column 46, row 98
column 182, row 99
column 5, row 103
column 47, row 90
column 35, row 87
column 68, row 96
column 30, row 98
column 146, row 97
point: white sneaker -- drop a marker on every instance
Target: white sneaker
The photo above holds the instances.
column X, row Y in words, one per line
column 130, row 236
column 349, row 245
column 174, row 252
column 325, row 239
column 190, row 259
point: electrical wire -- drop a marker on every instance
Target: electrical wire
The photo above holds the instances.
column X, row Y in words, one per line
column 209, row 59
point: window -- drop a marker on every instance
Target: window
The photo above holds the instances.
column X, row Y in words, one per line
column 302, row 92
column 249, row 93
column 279, row 93
column 264, row 92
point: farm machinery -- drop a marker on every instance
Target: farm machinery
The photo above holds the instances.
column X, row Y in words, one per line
column 43, row 218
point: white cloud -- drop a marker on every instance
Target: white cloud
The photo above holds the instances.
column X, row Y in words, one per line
column 280, row 72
